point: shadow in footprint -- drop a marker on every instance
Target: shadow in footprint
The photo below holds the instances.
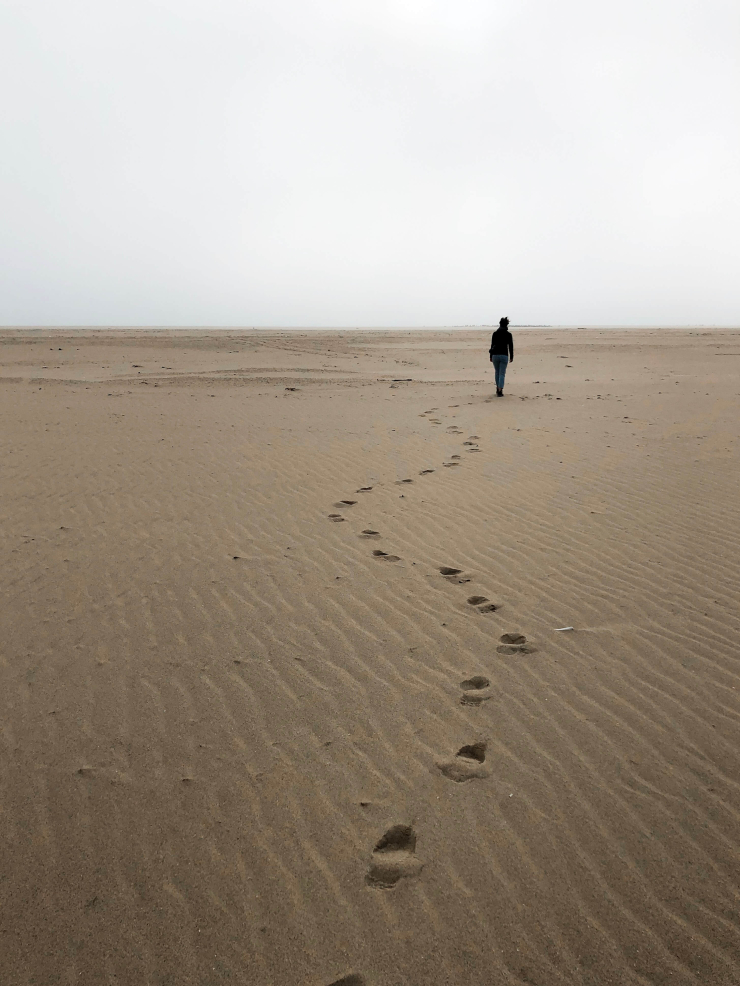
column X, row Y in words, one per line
column 475, row 690
column 394, row 857
column 367, row 533
column 514, row 643
column 453, row 575
column 478, row 601
column 399, row 482
column 466, row 765
column 337, row 518
column 344, row 503
column 476, row 751
column 425, row 472
column 364, row 489
column 384, row 556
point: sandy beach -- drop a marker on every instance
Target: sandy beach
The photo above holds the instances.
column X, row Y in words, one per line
column 319, row 663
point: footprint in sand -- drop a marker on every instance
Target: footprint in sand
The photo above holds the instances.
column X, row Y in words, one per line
column 448, row 464
column 453, row 574
column 454, row 456
column 435, row 421
column 478, row 601
column 399, row 482
column 344, row 503
column 353, row 979
column 514, row 643
column 474, row 438
column 367, row 533
column 468, row 443
column 336, row 518
column 425, row 472
column 364, row 489
column 466, row 765
column 384, row 556
column 394, row 857
column 476, row 690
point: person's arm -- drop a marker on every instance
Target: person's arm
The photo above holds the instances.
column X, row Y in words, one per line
column 511, row 348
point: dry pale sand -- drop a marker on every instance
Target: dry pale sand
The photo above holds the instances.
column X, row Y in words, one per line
column 240, row 746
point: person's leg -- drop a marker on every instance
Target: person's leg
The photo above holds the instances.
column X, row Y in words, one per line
column 497, row 371
column 501, row 374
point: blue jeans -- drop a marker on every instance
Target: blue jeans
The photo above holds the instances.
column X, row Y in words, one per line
column 499, row 365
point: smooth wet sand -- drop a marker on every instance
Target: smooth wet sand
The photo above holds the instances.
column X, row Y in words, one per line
column 238, row 745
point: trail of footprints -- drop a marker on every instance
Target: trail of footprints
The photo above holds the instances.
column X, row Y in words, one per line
column 393, row 857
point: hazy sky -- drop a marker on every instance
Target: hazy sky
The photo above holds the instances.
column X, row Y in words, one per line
column 369, row 162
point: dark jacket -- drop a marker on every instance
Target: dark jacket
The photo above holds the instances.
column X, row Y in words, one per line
column 502, row 344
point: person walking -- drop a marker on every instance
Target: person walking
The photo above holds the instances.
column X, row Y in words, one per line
column 501, row 353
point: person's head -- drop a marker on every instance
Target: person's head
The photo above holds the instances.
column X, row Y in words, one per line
column 503, row 323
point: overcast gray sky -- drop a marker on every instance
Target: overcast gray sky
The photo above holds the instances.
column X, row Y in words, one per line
column 369, row 162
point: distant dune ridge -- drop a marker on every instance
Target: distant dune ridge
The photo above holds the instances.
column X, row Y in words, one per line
column 285, row 701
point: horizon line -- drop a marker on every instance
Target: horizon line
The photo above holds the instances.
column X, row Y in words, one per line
column 103, row 327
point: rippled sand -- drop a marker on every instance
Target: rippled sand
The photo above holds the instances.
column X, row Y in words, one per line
column 284, row 696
